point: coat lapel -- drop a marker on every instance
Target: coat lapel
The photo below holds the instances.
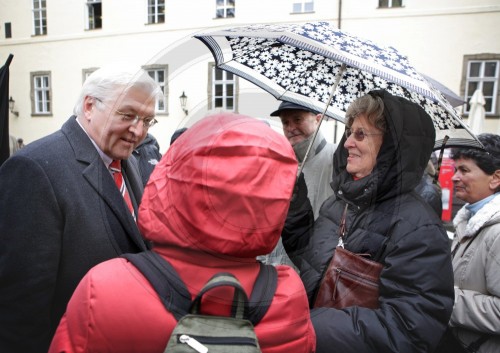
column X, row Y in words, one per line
column 100, row 178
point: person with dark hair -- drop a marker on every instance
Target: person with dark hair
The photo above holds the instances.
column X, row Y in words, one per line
column 177, row 133
column 377, row 214
column 68, row 202
column 475, row 321
column 148, row 155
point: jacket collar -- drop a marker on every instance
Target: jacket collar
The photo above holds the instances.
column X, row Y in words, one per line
column 468, row 225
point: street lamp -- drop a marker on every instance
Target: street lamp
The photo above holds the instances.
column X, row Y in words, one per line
column 183, row 98
column 11, row 106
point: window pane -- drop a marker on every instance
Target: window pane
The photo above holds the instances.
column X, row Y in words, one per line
column 488, row 88
column 218, row 74
column 218, row 102
column 383, row 3
column 471, row 88
column 230, row 104
column 230, row 3
column 297, row 7
column 230, row 13
column 490, row 69
column 229, row 90
column 397, row 3
column 229, row 76
column 218, row 90
column 475, row 69
column 309, row 6
column 219, row 13
column 487, row 105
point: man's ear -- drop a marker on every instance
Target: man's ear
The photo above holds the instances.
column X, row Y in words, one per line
column 318, row 117
column 495, row 181
column 88, row 105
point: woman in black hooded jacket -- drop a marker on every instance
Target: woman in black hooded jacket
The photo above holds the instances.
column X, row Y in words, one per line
column 383, row 215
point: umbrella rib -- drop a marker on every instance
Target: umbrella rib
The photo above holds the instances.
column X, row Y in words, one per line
column 334, row 88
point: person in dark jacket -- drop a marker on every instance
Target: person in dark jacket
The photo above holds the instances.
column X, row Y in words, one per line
column 148, row 155
column 61, row 211
column 387, row 145
column 430, row 190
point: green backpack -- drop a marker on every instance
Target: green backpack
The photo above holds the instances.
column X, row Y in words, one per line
column 195, row 332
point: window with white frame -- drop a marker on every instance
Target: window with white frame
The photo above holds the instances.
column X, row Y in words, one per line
column 39, row 17
column 302, row 6
column 159, row 74
column 483, row 75
column 94, row 14
column 224, row 8
column 390, row 3
column 41, row 93
column 156, row 11
column 223, row 89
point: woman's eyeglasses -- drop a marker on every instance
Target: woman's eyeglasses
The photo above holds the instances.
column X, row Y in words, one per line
column 359, row 134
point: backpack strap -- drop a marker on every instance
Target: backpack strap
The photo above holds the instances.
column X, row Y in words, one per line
column 177, row 299
column 262, row 293
column 164, row 279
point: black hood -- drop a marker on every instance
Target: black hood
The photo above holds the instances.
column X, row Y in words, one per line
column 403, row 156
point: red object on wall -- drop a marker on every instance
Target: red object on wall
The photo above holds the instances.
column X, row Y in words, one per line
column 445, row 175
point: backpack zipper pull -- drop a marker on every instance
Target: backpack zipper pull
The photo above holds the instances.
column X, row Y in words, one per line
column 191, row 342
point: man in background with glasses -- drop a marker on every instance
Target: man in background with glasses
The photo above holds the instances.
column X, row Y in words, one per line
column 61, row 209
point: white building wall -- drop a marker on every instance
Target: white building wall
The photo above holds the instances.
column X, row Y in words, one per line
column 434, row 34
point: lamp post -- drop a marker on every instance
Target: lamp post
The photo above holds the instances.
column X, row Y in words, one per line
column 11, row 106
column 183, row 98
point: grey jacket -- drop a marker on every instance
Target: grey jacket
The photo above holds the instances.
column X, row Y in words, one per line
column 476, row 266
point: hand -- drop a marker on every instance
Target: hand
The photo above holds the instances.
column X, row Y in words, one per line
column 299, row 196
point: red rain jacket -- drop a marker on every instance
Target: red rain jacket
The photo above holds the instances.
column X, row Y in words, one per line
column 217, row 199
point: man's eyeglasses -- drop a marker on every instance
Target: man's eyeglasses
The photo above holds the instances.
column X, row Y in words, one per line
column 133, row 119
column 359, row 134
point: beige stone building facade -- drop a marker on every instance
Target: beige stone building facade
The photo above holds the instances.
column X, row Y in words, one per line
column 56, row 43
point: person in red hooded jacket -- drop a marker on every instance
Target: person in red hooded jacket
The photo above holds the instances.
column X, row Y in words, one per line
column 217, row 199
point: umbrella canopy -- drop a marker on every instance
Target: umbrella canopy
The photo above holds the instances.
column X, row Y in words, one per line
column 324, row 69
column 4, row 111
column 477, row 112
column 454, row 99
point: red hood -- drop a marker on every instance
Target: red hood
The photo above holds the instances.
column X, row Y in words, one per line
column 223, row 187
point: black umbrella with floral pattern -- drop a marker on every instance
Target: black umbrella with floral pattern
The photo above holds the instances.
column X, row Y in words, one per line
column 324, row 69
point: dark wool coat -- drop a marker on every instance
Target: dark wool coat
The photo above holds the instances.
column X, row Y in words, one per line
column 60, row 214
column 384, row 214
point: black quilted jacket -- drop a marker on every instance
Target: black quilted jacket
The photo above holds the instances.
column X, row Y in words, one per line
column 384, row 216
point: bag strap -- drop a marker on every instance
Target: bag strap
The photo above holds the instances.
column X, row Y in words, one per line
column 263, row 292
column 177, row 299
column 165, row 280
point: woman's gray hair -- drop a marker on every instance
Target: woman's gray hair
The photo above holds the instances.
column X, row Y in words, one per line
column 372, row 107
column 108, row 83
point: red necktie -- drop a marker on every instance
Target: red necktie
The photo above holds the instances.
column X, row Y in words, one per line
column 116, row 169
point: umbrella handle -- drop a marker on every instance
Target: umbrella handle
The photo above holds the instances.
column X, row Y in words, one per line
column 334, row 88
